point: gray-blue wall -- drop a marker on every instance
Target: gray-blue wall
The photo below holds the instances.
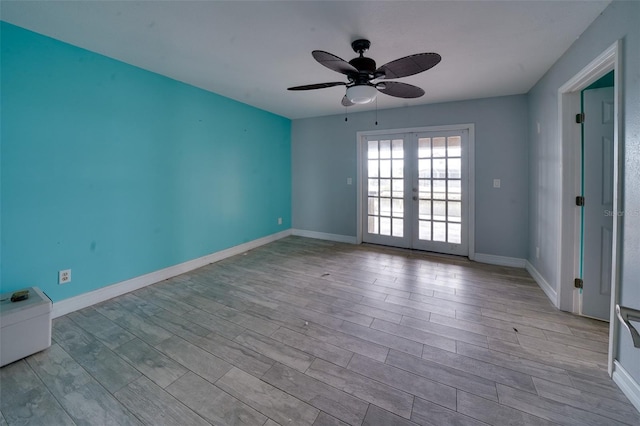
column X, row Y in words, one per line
column 618, row 21
column 324, row 156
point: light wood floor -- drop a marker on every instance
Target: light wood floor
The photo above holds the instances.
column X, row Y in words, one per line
column 302, row 332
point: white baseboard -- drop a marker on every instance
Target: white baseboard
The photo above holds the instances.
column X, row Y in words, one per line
column 627, row 385
column 325, row 236
column 543, row 284
column 84, row 300
column 492, row 259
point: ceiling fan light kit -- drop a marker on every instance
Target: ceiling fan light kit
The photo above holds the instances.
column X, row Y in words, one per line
column 362, row 94
column 365, row 79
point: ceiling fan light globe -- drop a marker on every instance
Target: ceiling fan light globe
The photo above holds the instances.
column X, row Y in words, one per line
column 362, row 94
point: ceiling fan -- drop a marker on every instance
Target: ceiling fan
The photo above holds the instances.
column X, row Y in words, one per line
column 365, row 80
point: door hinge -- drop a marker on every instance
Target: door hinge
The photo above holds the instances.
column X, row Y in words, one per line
column 577, row 283
column 580, row 200
column 580, row 118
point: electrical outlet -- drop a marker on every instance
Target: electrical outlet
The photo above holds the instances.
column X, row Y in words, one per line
column 496, row 183
column 64, row 276
column 349, row 181
column 279, row 221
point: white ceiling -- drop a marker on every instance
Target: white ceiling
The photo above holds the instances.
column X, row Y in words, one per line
column 252, row 51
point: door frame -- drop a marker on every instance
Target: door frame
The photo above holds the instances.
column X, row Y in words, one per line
column 469, row 127
column 568, row 297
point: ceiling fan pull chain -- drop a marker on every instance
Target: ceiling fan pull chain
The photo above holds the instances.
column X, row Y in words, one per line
column 346, row 113
column 376, row 110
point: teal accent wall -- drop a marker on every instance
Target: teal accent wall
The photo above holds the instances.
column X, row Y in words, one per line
column 114, row 172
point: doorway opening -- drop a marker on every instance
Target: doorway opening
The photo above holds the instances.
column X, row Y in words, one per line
column 569, row 298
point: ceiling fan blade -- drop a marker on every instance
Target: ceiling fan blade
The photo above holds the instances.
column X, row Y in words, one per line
column 400, row 90
column 318, row 86
column 346, row 102
column 409, row 65
column 333, row 62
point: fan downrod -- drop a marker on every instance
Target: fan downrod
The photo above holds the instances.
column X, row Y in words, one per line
column 360, row 46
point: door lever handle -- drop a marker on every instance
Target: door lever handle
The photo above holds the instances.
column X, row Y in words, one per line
column 626, row 315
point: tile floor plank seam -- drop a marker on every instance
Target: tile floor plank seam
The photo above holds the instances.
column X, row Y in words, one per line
column 269, row 299
column 532, row 368
column 186, row 372
column 113, row 391
column 324, row 313
column 319, row 404
column 570, row 365
column 57, row 412
column 444, row 375
column 58, row 397
column 217, row 387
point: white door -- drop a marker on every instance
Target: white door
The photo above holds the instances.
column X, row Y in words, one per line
column 416, row 191
column 598, row 207
column 386, row 221
column 440, row 202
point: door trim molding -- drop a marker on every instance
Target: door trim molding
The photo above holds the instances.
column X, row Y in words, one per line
column 568, row 218
column 469, row 127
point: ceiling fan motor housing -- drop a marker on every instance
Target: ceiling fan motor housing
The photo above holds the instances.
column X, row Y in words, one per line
column 363, row 64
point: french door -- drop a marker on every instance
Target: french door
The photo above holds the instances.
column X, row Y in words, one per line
column 415, row 191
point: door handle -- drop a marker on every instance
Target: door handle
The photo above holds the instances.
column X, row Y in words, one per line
column 626, row 315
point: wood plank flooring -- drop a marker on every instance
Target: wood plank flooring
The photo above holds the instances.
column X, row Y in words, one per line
column 310, row 332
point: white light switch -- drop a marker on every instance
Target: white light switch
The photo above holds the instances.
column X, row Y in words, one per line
column 496, row 183
column 349, row 181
